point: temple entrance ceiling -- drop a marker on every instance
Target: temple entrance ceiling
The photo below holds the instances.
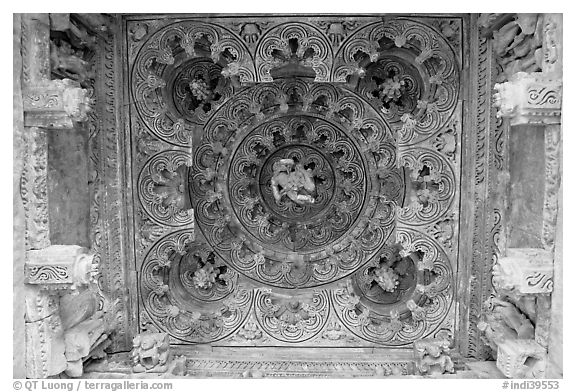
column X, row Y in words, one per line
column 295, row 181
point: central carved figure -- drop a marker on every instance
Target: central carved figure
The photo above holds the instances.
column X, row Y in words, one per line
column 293, row 180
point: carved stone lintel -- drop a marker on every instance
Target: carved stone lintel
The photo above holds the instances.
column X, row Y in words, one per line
column 521, row 359
column 55, row 104
column 525, row 271
column 150, row 353
column 59, row 267
column 532, row 99
column 432, row 356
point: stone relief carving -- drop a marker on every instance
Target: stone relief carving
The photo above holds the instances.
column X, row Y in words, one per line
column 346, row 113
column 432, row 356
column 150, row 353
column 200, row 123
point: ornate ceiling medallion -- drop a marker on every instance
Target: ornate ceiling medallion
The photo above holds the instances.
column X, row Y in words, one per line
column 348, row 162
column 297, row 182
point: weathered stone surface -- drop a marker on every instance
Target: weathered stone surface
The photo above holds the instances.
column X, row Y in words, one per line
column 68, row 192
column 527, row 178
column 45, row 348
column 555, row 363
column 39, row 304
column 542, row 327
column 77, row 307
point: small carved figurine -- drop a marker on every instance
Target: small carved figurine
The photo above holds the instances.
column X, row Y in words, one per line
column 292, row 180
column 150, row 352
column 432, row 356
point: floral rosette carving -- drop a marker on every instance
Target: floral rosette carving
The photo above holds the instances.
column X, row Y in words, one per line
column 163, row 190
column 415, row 313
column 423, row 63
column 294, row 42
column 180, row 55
column 432, row 188
column 292, row 319
column 173, row 310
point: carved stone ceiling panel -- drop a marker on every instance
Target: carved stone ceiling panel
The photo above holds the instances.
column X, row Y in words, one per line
column 296, row 180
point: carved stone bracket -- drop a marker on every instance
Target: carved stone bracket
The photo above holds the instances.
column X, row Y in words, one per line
column 59, row 267
column 532, row 99
column 525, row 271
column 55, row 104
column 521, row 359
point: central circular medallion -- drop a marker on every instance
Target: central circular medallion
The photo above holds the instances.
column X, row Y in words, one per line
column 288, row 172
column 297, row 184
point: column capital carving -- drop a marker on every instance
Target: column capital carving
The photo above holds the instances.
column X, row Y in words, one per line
column 55, row 104
column 525, row 271
column 60, row 267
column 529, row 99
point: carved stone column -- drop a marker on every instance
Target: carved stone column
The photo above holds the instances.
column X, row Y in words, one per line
column 57, row 337
column 531, row 102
